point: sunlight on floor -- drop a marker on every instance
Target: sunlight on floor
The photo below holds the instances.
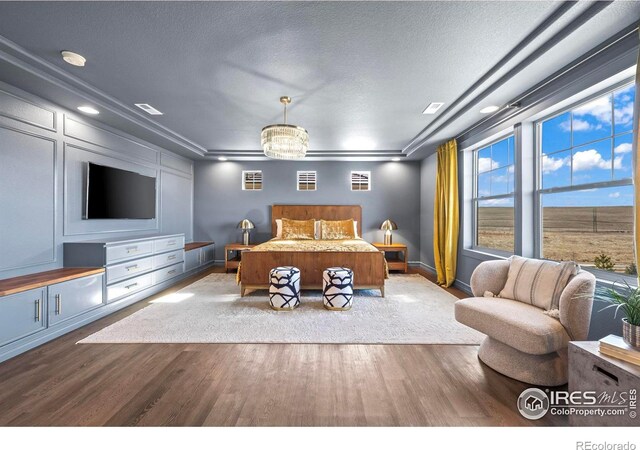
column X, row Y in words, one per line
column 173, row 298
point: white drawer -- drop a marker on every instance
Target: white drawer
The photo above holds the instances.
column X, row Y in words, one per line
column 128, row 287
column 167, row 273
column 129, row 269
column 129, row 251
column 167, row 259
column 168, row 244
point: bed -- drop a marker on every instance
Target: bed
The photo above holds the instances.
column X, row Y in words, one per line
column 312, row 257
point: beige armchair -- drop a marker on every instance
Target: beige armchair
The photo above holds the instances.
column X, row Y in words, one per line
column 522, row 341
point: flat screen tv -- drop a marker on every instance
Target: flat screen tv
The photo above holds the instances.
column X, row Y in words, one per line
column 118, row 194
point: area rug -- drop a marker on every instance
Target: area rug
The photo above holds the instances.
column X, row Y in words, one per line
column 414, row 311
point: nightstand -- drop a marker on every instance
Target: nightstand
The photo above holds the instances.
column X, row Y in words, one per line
column 395, row 262
column 233, row 255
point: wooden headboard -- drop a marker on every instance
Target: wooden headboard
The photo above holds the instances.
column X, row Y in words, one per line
column 326, row 212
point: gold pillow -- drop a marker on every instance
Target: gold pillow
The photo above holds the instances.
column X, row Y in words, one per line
column 298, row 229
column 337, row 229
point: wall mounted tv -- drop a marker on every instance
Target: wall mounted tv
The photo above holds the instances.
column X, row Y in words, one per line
column 118, row 194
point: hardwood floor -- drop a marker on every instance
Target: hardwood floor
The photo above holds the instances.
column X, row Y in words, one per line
column 64, row 384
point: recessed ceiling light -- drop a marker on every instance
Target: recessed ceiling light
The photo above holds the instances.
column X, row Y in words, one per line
column 359, row 143
column 148, row 109
column 433, row 108
column 395, row 159
column 88, row 110
column 73, row 58
column 222, row 158
column 489, row 109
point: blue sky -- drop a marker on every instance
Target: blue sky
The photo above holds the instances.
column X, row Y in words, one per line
column 600, row 132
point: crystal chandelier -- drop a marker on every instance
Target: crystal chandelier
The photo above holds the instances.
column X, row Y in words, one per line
column 284, row 141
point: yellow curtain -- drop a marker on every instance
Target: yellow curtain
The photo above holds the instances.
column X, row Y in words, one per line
column 446, row 216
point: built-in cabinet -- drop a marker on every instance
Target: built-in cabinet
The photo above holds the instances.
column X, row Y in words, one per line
column 199, row 257
column 72, row 298
column 131, row 265
column 22, row 315
column 99, row 278
column 36, row 315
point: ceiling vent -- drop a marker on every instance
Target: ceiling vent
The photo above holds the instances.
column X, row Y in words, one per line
column 148, row 109
column 433, row 108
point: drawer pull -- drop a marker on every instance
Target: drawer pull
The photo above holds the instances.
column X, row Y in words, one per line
column 132, row 249
column 131, row 286
column 171, row 271
column 38, row 310
column 171, row 257
column 606, row 373
column 171, row 243
column 129, row 268
column 58, row 304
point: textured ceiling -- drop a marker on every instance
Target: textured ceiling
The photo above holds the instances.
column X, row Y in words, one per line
column 357, row 71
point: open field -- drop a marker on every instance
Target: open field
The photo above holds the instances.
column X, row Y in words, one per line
column 571, row 233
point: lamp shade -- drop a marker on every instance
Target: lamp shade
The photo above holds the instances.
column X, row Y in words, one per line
column 388, row 225
column 246, row 224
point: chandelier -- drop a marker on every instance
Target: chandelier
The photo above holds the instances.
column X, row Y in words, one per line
column 284, row 141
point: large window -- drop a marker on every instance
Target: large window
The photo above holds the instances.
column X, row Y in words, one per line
column 493, row 199
column 585, row 188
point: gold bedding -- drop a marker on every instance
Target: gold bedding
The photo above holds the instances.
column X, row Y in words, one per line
column 315, row 245
column 319, row 245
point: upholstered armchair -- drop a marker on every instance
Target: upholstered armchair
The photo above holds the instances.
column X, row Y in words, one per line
column 522, row 341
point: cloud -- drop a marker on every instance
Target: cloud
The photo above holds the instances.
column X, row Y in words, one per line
column 599, row 109
column 623, row 148
column 497, row 202
column 551, row 164
column 614, row 195
column 579, row 125
column 591, row 159
column 486, row 164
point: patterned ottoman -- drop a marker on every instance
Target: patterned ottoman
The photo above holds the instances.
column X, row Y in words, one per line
column 284, row 288
column 337, row 288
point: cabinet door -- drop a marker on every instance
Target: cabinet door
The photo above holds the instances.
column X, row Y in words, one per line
column 70, row 298
column 192, row 259
column 208, row 254
column 21, row 315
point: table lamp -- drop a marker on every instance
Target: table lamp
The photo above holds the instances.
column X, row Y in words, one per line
column 245, row 225
column 387, row 226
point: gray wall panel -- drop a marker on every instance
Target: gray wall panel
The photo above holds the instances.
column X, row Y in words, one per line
column 26, row 112
column 220, row 203
column 179, row 164
column 41, row 172
column 427, row 191
column 27, row 200
column 176, row 198
column 75, row 159
column 108, row 139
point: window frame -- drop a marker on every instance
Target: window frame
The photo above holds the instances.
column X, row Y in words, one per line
column 244, row 184
column 539, row 191
column 475, row 199
column 315, row 180
column 369, row 181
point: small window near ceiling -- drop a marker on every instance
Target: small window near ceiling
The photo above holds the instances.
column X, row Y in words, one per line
column 252, row 180
column 307, row 180
column 360, row 180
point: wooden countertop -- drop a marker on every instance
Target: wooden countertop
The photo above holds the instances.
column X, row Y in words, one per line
column 37, row 280
column 195, row 245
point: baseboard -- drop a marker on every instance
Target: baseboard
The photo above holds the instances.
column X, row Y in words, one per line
column 462, row 286
column 421, row 265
